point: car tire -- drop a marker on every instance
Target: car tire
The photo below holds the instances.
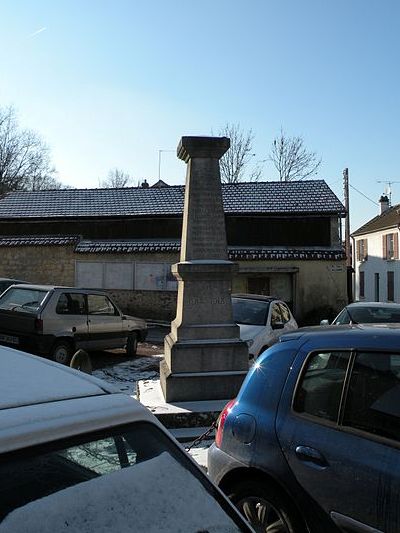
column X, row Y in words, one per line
column 132, row 345
column 81, row 361
column 62, row 353
column 265, row 507
column 263, row 350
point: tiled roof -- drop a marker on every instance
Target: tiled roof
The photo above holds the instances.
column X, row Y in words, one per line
column 42, row 240
column 127, row 246
column 269, row 197
column 388, row 219
column 158, row 245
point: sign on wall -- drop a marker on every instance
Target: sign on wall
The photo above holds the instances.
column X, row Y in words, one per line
column 154, row 277
column 124, row 275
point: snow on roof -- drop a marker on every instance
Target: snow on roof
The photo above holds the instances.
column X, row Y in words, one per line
column 158, row 495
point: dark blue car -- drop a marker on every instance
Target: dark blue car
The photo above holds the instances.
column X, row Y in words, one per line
column 312, row 441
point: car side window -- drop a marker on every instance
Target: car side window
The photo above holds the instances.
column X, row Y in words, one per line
column 276, row 317
column 100, row 305
column 373, row 399
column 343, row 318
column 320, row 388
column 285, row 313
column 71, row 304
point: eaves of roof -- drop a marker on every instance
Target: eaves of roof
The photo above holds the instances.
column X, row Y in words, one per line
column 113, row 246
column 387, row 220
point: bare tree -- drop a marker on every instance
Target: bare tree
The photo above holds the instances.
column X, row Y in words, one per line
column 25, row 162
column 291, row 159
column 236, row 164
column 115, row 179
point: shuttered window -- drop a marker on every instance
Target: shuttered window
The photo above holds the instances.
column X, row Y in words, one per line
column 390, row 246
column 362, row 250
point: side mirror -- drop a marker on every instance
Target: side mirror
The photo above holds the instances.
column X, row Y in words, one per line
column 278, row 325
column 324, row 322
column 123, row 317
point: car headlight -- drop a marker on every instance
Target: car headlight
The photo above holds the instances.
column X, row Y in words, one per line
column 250, row 342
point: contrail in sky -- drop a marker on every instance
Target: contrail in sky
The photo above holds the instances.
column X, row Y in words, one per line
column 37, row 32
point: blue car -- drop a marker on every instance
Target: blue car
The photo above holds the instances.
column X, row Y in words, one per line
column 312, row 441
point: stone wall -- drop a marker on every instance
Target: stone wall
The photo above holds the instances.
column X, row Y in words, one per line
column 318, row 287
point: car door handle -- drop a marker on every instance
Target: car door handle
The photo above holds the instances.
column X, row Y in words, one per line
column 306, row 453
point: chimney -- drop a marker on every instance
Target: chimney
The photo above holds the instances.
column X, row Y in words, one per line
column 145, row 185
column 384, row 201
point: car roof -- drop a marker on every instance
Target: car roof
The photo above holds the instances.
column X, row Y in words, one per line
column 27, row 379
column 255, row 297
column 347, row 336
column 374, row 304
column 32, row 286
column 41, row 400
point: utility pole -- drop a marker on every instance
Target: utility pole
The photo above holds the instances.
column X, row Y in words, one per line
column 349, row 266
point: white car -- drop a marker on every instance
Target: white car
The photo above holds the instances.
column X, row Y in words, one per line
column 262, row 320
column 76, row 456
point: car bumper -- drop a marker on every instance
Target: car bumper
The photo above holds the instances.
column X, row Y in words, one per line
column 219, row 463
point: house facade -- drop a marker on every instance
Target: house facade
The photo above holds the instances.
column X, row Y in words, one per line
column 285, row 237
column 376, row 258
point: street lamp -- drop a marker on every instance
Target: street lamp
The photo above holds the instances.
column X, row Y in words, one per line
column 159, row 161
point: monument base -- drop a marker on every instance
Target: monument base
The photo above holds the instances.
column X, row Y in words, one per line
column 197, row 386
column 185, row 420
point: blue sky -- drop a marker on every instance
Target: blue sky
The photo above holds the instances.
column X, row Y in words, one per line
column 110, row 83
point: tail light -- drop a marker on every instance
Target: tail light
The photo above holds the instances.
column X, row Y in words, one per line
column 221, row 421
column 39, row 325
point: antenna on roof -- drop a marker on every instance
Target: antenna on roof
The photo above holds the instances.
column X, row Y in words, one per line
column 388, row 189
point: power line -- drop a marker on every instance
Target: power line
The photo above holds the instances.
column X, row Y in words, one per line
column 362, row 194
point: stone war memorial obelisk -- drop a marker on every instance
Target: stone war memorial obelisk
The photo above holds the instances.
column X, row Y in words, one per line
column 204, row 358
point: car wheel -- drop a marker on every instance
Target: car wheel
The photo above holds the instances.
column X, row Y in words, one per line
column 62, row 353
column 131, row 345
column 267, row 509
column 263, row 350
column 81, row 361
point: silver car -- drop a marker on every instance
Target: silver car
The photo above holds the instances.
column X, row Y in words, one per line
column 57, row 321
column 78, row 456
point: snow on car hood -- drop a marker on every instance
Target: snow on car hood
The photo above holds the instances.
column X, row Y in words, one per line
column 158, row 496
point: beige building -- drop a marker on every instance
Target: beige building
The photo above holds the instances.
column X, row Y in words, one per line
column 285, row 236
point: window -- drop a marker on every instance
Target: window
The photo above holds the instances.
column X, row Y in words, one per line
column 285, row 313
column 320, row 389
column 390, row 244
column 252, row 312
column 71, row 304
column 362, row 285
column 390, row 286
column 30, row 477
column 100, row 305
column 362, row 250
column 24, row 300
column 276, row 317
column 373, row 400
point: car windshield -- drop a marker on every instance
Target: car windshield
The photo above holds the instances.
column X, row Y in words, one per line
column 134, row 479
column 369, row 315
column 18, row 299
column 251, row 312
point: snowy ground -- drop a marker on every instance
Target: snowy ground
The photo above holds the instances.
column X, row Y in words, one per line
column 126, row 374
